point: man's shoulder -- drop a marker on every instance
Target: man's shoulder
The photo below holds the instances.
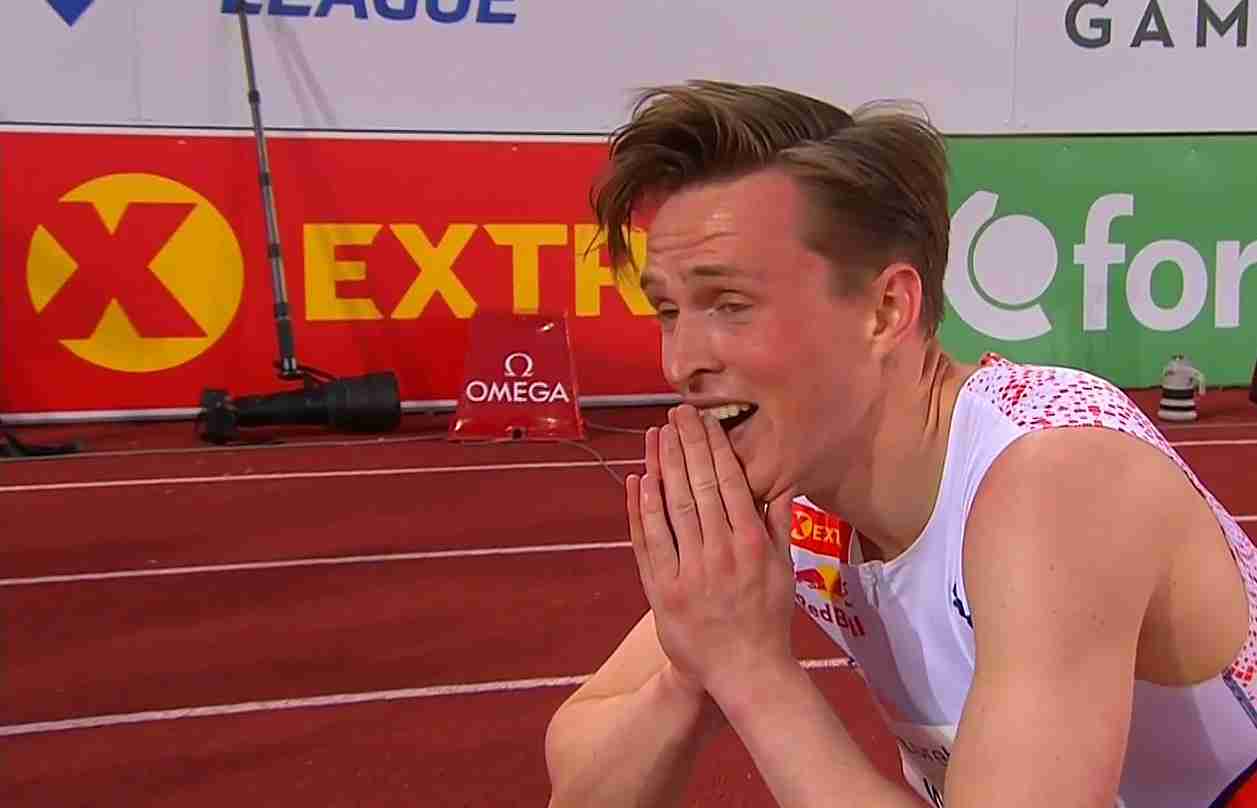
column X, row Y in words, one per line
column 1067, row 449
column 1091, row 493
column 1082, row 464
column 1038, row 396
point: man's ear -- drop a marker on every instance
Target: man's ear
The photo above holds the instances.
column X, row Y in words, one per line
column 897, row 298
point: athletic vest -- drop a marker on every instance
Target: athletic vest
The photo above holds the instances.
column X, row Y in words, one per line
column 907, row 624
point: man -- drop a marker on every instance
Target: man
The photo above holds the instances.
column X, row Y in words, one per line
column 1047, row 606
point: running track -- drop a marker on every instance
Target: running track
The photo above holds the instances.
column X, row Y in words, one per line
column 333, row 622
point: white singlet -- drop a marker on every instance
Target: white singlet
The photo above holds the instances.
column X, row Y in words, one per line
column 907, row 623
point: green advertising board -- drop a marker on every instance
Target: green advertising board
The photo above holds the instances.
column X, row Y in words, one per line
column 1109, row 253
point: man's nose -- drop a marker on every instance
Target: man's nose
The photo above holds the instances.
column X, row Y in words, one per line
column 687, row 353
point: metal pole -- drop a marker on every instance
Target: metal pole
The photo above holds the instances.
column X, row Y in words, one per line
column 288, row 367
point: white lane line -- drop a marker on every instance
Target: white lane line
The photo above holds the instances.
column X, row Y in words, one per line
column 339, row 560
column 1223, row 425
column 316, row 562
column 337, row 700
column 314, row 475
column 400, row 471
column 1238, row 442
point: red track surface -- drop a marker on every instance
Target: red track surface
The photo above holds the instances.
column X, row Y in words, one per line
column 105, row 647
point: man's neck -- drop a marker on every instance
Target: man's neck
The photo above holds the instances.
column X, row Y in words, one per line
column 889, row 493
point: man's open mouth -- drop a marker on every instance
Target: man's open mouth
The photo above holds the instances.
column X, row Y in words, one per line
column 732, row 416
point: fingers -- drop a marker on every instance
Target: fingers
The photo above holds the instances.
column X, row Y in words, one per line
column 637, row 535
column 682, row 509
column 694, row 493
column 705, row 485
column 654, row 465
column 656, row 536
column 652, row 451
column 731, row 480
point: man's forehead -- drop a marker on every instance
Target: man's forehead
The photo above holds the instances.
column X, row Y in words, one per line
column 745, row 207
column 691, row 218
column 701, row 239
column 720, row 230
column 657, row 274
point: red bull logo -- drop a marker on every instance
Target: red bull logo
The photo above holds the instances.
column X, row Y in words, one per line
column 828, row 584
column 812, row 579
column 825, row 580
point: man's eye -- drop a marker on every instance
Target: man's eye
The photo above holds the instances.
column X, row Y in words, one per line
column 666, row 314
column 733, row 308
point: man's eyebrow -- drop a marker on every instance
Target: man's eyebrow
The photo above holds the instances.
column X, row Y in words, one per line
column 715, row 271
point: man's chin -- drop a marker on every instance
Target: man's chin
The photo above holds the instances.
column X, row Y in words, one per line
column 766, row 491
column 762, row 479
column 762, row 491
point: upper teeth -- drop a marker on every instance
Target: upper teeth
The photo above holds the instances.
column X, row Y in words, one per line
column 726, row 411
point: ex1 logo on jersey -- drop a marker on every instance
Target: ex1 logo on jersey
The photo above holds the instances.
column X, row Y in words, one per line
column 135, row 272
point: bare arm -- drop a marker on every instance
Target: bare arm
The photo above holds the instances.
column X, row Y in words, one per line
column 1067, row 543
column 630, row 735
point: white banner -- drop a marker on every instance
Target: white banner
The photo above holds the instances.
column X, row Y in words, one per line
column 543, row 66
column 1136, row 65
column 51, row 70
column 570, row 66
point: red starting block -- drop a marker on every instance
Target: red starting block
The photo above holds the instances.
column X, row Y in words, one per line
column 519, row 380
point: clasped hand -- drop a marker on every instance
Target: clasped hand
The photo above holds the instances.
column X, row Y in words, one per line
column 714, row 564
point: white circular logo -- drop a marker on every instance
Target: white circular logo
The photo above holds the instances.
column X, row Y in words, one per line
column 996, row 271
column 1014, row 260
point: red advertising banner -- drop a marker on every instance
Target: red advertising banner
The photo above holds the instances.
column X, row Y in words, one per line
column 135, row 270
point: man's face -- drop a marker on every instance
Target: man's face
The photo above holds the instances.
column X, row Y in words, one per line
column 749, row 315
